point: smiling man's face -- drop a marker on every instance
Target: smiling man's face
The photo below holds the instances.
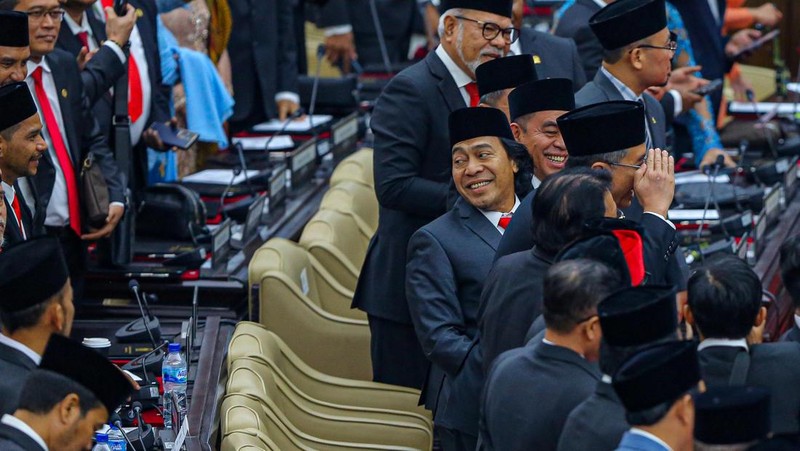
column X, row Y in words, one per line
column 484, row 174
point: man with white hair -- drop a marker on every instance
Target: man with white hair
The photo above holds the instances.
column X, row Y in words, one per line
column 412, row 170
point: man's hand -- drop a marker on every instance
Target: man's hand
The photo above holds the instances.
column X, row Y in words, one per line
column 119, row 28
column 710, row 158
column 115, row 213
column 340, row 47
column 685, row 83
column 654, row 182
column 84, row 56
column 153, row 140
column 767, row 15
column 740, row 41
column 286, row 108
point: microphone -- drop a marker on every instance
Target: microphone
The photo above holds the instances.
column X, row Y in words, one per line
column 299, row 112
column 146, row 435
column 236, row 171
column 763, row 121
column 115, row 420
column 376, row 21
column 143, row 328
column 712, row 180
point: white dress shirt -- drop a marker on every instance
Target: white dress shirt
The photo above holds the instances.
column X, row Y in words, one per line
column 10, row 195
column 494, row 216
column 535, row 182
column 714, row 6
column 30, row 353
column 16, row 423
column 459, row 76
column 709, row 342
column 652, row 437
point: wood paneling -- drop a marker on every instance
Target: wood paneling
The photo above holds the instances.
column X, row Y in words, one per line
column 789, row 39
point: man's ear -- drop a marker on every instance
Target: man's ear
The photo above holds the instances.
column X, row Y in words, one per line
column 516, row 130
column 684, row 410
column 69, row 409
column 54, row 316
column 450, row 24
column 592, row 329
column 601, row 165
column 635, row 58
column 761, row 317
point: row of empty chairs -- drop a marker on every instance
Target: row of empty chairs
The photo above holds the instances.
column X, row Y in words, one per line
column 301, row 378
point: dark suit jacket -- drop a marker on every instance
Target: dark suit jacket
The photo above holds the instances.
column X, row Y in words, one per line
column 412, row 176
column 83, row 135
column 12, row 439
column 13, row 234
column 15, row 367
column 792, row 334
column 448, row 261
column 600, row 89
column 574, row 24
column 528, row 395
column 598, row 423
column 552, row 52
column 775, row 366
column 518, row 236
column 264, row 55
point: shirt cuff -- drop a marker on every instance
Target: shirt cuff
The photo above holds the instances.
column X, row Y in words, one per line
column 113, row 46
column 119, row 204
column 678, row 101
column 337, row 30
column 287, row 95
column 662, row 218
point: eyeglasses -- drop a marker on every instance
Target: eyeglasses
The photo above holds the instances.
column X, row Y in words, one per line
column 57, row 15
column 492, row 30
column 632, row 166
column 672, row 45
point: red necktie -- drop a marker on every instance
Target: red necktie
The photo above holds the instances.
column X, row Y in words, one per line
column 504, row 220
column 83, row 36
column 17, row 212
column 474, row 97
column 134, row 81
column 64, row 160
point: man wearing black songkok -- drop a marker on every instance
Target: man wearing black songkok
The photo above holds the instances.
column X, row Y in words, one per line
column 14, row 50
column 498, row 77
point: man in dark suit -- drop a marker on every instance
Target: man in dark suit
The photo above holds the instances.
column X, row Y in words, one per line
column 72, row 133
column 724, row 305
column 530, row 391
column 574, row 24
column 412, row 172
column 654, row 385
column 449, row 258
column 14, row 50
column 631, row 319
column 36, row 303
column 497, row 78
column 790, row 274
column 21, row 148
column 86, row 29
column 264, row 57
column 65, row 401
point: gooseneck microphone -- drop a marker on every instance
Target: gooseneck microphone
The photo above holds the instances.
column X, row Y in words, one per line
column 115, row 420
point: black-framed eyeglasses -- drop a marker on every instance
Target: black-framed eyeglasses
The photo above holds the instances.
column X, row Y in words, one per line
column 581, row 321
column 492, row 30
column 672, row 45
column 57, row 15
column 632, row 166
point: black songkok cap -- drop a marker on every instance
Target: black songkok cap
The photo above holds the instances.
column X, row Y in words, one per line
column 17, row 104
column 31, row 272
column 499, row 7
column 13, row 29
column 468, row 123
column 627, row 21
column 638, row 316
column 657, row 375
column 603, row 127
column 505, row 73
column 732, row 415
column 550, row 94
column 88, row 368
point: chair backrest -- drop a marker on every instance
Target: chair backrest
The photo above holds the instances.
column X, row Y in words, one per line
column 333, row 238
column 357, row 168
column 248, row 440
column 355, row 199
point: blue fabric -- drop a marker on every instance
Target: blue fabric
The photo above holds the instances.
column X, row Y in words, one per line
column 702, row 130
column 163, row 166
column 560, row 12
column 636, row 442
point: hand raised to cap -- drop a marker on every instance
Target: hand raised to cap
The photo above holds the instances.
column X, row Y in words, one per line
column 654, row 182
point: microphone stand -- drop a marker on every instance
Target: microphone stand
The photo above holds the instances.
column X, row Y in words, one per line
column 236, row 171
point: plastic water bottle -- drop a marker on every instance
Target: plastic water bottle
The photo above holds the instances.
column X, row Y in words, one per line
column 102, row 442
column 116, row 442
column 174, row 371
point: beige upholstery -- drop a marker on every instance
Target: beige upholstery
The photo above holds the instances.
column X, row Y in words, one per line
column 304, row 306
column 251, row 339
column 354, row 199
column 357, row 168
column 248, row 440
column 252, row 376
column 333, row 238
column 246, row 412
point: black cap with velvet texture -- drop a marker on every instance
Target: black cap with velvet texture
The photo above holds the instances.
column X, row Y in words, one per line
column 469, row 123
column 499, row 7
column 505, row 73
column 549, row 94
column 603, row 127
column 732, row 415
column 16, row 104
column 637, row 316
column 31, row 272
column 627, row 21
column 13, row 29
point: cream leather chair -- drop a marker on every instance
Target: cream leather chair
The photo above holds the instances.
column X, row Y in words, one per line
column 354, row 199
column 252, row 339
column 248, row 440
column 246, row 413
column 357, row 168
column 333, row 238
column 310, row 311
column 252, row 376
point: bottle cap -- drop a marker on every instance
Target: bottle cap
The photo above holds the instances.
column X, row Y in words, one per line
column 174, row 347
column 101, row 438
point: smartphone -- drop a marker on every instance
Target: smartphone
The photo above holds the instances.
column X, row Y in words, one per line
column 120, row 6
column 174, row 136
column 709, row 88
column 757, row 43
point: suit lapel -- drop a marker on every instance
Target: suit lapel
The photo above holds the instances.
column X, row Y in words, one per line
column 18, row 437
column 452, row 96
column 478, row 224
column 68, row 41
column 528, row 37
column 17, row 358
column 608, row 88
column 98, row 27
column 65, row 103
column 13, row 234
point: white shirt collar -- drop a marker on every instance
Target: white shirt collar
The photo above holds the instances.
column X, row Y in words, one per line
column 652, row 437
column 709, row 342
column 75, row 27
column 32, row 66
column 535, row 182
column 16, row 423
column 548, row 342
column 515, row 49
column 601, row 3
column 459, row 76
column 11, row 343
column 797, row 320
column 10, row 193
column 626, row 92
column 494, row 216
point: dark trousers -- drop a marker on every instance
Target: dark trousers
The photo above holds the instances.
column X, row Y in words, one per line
column 397, row 357
column 453, row 440
column 75, row 256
